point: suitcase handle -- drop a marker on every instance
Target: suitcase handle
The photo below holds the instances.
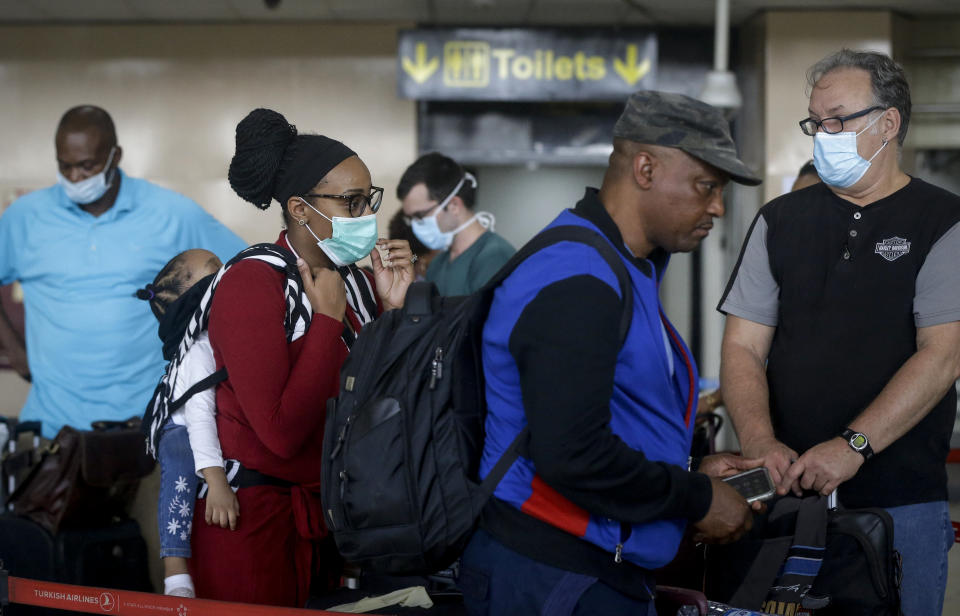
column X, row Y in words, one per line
column 26, row 426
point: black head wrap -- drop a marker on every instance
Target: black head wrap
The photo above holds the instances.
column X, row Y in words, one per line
column 313, row 158
column 273, row 161
column 173, row 323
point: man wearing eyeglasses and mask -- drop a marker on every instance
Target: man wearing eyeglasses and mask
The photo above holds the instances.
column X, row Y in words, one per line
column 81, row 248
column 438, row 195
column 842, row 341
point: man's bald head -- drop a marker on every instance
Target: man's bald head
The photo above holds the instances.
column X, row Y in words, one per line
column 84, row 118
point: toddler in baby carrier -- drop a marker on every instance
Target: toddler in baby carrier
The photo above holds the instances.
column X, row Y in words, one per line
column 180, row 422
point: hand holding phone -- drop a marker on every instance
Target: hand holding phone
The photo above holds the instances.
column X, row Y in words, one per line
column 753, row 485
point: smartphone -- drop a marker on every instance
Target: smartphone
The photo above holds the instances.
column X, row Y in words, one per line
column 753, row 485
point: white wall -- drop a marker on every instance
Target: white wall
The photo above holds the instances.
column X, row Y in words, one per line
column 525, row 199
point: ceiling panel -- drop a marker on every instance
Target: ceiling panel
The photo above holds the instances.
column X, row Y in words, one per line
column 287, row 10
column 577, row 12
column 480, row 11
column 367, row 10
column 19, row 10
column 437, row 12
column 91, row 10
column 182, row 10
column 742, row 9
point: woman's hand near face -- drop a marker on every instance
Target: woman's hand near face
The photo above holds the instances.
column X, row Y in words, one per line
column 325, row 290
column 393, row 272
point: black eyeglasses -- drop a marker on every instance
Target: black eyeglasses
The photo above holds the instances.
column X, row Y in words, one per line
column 357, row 203
column 832, row 125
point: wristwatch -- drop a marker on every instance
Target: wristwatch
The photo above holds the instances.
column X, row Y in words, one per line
column 858, row 442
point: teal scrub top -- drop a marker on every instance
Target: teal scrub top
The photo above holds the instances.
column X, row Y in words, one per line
column 472, row 268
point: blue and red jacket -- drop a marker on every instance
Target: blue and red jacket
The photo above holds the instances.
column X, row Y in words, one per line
column 610, row 426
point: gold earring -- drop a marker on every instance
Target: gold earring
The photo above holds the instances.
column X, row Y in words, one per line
column 301, row 222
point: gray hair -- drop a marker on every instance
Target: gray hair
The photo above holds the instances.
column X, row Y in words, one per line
column 887, row 79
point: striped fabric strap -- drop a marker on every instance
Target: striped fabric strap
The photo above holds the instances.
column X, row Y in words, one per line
column 232, row 469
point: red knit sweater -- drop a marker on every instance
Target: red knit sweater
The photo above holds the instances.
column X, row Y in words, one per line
column 271, row 410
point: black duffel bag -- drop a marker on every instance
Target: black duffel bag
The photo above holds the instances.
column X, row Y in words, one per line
column 801, row 555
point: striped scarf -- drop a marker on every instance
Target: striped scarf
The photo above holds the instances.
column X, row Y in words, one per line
column 360, row 297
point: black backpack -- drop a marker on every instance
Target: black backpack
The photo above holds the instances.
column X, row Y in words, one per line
column 403, row 440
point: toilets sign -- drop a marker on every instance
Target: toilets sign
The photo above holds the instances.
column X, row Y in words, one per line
column 514, row 64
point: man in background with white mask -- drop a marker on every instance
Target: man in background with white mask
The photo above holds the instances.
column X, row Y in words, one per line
column 81, row 248
column 438, row 198
column 842, row 341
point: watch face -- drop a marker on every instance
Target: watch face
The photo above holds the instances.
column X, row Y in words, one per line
column 858, row 441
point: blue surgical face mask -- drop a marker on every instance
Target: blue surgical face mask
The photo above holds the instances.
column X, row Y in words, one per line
column 88, row 190
column 352, row 238
column 836, row 157
column 428, row 230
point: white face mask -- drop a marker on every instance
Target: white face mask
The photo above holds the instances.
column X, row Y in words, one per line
column 427, row 229
column 352, row 238
column 837, row 159
column 88, row 190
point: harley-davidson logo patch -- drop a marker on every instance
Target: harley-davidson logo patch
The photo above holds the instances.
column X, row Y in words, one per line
column 893, row 248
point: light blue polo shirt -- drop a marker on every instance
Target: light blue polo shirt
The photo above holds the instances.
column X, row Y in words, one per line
column 92, row 346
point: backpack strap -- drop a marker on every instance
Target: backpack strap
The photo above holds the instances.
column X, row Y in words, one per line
column 549, row 237
column 208, row 381
column 798, row 570
column 419, row 299
column 583, row 235
column 786, row 566
column 489, row 483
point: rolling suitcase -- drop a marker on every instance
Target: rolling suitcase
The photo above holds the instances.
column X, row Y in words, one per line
column 27, row 551
column 111, row 556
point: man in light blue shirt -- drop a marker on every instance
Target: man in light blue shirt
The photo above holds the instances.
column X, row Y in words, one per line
column 80, row 249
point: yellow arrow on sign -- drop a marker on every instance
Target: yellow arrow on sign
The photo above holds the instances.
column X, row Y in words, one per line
column 629, row 70
column 421, row 70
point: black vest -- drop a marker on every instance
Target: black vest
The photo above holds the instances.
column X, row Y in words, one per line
column 847, row 277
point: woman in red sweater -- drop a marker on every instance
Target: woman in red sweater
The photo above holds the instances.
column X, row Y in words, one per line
column 271, row 409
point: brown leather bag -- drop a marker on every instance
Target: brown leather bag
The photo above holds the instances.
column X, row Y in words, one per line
column 83, row 477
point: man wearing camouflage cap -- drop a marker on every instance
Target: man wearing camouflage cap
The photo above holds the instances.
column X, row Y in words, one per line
column 602, row 493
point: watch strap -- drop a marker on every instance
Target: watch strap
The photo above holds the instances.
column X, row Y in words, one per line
column 858, row 442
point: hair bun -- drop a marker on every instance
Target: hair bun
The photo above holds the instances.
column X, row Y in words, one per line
column 262, row 140
column 146, row 294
